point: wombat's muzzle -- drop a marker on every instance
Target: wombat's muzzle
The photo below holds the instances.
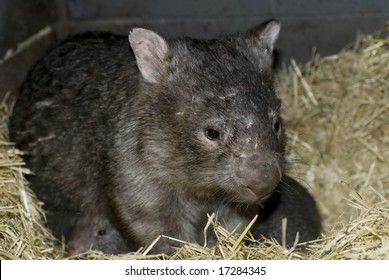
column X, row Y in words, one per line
column 258, row 175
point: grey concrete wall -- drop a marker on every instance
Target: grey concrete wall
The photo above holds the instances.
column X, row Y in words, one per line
column 20, row 20
column 196, row 9
column 325, row 26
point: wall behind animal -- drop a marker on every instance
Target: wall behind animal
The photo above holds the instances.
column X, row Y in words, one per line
column 327, row 25
column 307, row 25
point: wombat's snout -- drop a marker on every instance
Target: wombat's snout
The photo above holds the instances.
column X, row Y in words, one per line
column 73, row 249
column 259, row 175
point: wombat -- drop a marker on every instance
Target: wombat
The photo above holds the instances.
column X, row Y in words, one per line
column 95, row 231
column 159, row 132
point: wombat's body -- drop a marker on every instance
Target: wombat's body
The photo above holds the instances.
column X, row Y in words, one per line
column 158, row 134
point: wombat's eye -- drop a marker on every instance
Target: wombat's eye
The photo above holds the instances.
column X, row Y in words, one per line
column 101, row 232
column 212, row 134
column 276, row 125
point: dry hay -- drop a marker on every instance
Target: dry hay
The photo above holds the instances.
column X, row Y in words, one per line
column 337, row 115
column 22, row 231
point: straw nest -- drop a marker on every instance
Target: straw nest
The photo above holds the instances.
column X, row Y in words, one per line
column 336, row 111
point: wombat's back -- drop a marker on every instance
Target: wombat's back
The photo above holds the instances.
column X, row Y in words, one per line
column 60, row 119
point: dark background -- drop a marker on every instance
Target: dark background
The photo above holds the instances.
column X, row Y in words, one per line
column 307, row 25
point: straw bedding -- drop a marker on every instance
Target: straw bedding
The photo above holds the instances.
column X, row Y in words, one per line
column 336, row 111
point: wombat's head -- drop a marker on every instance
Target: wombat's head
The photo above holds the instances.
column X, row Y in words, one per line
column 209, row 116
column 94, row 232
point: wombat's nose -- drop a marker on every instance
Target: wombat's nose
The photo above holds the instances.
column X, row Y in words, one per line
column 74, row 249
column 260, row 174
column 71, row 251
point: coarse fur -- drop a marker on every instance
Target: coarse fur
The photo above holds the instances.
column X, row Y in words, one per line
column 157, row 133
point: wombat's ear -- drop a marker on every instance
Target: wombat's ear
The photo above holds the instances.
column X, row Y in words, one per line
column 265, row 35
column 260, row 40
column 150, row 50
